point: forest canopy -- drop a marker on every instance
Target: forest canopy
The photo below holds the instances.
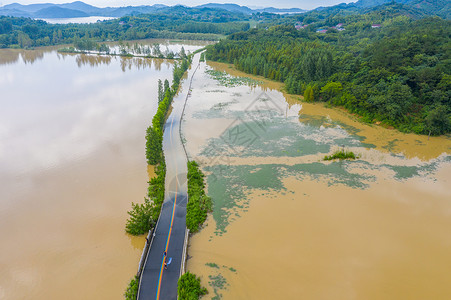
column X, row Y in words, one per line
column 397, row 73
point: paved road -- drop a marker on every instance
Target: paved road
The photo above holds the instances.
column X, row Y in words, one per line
column 156, row 282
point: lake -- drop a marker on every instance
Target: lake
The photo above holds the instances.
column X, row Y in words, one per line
column 72, row 159
column 81, row 20
column 288, row 225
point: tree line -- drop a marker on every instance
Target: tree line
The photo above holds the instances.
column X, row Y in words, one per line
column 399, row 74
column 143, row 216
column 175, row 22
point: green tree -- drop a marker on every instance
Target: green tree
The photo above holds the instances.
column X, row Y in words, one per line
column 189, row 287
column 132, row 289
column 331, row 90
column 154, row 145
column 308, row 94
column 160, row 91
column 438, row 121
column 140, row 220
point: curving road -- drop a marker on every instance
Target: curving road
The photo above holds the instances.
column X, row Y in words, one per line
column 156, row 281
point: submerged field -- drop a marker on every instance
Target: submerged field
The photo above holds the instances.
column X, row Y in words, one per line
column 287, row 224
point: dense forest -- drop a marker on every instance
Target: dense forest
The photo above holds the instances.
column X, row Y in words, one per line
column 389, row 63
column 173, row 22
column 383, row 65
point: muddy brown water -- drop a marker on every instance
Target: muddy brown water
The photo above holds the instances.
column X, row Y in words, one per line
column 301, row 228
column 72, row 160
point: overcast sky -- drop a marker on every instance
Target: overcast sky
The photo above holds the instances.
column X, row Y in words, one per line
column 305, row 4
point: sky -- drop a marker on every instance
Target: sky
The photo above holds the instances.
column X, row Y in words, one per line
column 304, row 4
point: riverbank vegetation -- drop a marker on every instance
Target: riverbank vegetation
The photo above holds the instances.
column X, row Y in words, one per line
column 143, row 216
column 341, row 154
column 131, row 293
column 384, row 66
column 199, row 204
column 176, row 22
column 189, row 287
column 85, row 46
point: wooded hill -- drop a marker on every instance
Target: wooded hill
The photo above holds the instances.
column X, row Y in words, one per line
column 382, row 65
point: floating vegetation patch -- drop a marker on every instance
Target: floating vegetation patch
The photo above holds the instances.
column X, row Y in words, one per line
column 218, row 283
column 216, row 91
column 227, row 186
column 212, row 265
column 227, row 80
column 223, row 105
column 216, row 279
column 325, row 122
column 391, row 145
column 423, row 170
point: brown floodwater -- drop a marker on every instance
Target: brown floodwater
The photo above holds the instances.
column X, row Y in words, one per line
column 301, row 228
column 72, row 160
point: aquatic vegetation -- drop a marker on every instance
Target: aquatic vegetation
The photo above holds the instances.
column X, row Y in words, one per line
column 231, row 81
column 212, row 265
column 341, row 154
column 218, row 282
column 189, row 287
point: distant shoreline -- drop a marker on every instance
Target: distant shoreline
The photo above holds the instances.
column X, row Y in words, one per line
column 78, row 20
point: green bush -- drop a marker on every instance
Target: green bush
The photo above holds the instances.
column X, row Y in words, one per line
column 144, row 216
column 199, row 204
column 341, row 154
column 189, row 287
column 132, row 289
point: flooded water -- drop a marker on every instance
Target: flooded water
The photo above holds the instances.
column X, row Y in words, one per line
column 72, row 159
column 80, row 20
column 288, row 225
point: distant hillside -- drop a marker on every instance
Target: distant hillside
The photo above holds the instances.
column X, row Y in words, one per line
column 440, row 8
column 59, row 12
column 229, row 7
column 79, row 8
column 281, row 10
column 434, row 7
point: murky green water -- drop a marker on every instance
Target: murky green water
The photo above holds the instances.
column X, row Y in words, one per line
column 263, row 155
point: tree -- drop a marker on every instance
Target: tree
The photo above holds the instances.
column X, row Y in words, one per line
column 308, row 94
column 398, row 101
column 154, row 144
column 160, row 91
column 166, row 86
column 140, row 220
column 331, row 90
column 182, row 53
column 189, row 287
column 438, row 121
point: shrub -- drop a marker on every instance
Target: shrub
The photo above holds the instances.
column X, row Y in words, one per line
column 132, row 289
column 341, row 154
column 199, row 204
column 189, row 287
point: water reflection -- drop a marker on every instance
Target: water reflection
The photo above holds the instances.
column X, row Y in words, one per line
column 11, row 56
column 71, row 162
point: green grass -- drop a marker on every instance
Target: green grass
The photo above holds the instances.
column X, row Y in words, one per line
column 341, row 154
